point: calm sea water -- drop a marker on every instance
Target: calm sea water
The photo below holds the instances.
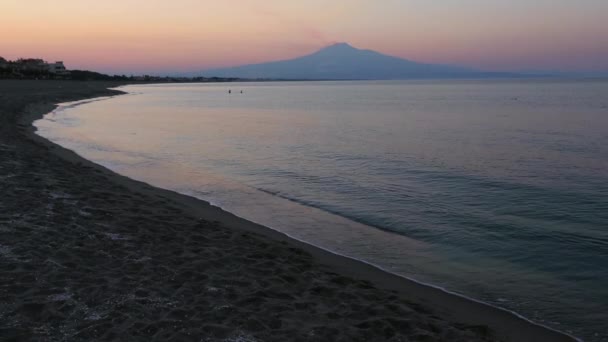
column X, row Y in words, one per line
column 497, row 190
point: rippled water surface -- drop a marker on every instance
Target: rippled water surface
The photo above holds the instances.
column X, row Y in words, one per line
column 494, row 189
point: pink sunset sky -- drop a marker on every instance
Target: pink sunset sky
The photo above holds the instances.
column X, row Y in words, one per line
column 154, row 36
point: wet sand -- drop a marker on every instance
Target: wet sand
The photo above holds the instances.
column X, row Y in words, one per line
column 86, row 254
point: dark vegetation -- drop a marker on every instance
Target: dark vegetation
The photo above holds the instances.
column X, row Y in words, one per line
column 37, row 69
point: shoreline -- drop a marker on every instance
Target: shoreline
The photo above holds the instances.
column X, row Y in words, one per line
column 233, row 221
column 505, row 324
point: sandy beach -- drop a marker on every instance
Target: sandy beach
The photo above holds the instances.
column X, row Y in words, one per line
column 86, row 254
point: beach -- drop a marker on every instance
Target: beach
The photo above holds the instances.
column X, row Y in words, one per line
column 86, row 254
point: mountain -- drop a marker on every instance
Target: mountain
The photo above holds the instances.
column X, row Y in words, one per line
column 344, row 62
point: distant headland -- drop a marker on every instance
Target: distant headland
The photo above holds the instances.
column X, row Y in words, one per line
column 39, row 69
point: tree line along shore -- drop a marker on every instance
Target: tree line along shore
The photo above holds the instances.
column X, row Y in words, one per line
column 39, row 69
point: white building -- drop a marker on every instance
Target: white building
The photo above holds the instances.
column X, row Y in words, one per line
column 57, row 68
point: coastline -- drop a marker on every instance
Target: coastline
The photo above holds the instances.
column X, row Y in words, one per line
column 458, row 312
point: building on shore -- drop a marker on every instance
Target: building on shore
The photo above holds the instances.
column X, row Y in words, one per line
column 57, row 68
column 33, row 68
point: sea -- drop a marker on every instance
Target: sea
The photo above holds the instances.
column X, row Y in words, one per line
column 496, row 190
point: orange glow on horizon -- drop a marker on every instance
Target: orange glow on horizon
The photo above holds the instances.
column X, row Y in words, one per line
column 133, row 36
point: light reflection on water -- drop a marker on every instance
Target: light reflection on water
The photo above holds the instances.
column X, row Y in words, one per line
column 497, row 190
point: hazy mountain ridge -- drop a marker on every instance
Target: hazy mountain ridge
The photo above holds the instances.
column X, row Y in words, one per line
column 344, row 62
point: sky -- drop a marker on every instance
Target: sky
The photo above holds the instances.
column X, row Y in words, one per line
column 159, row 36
